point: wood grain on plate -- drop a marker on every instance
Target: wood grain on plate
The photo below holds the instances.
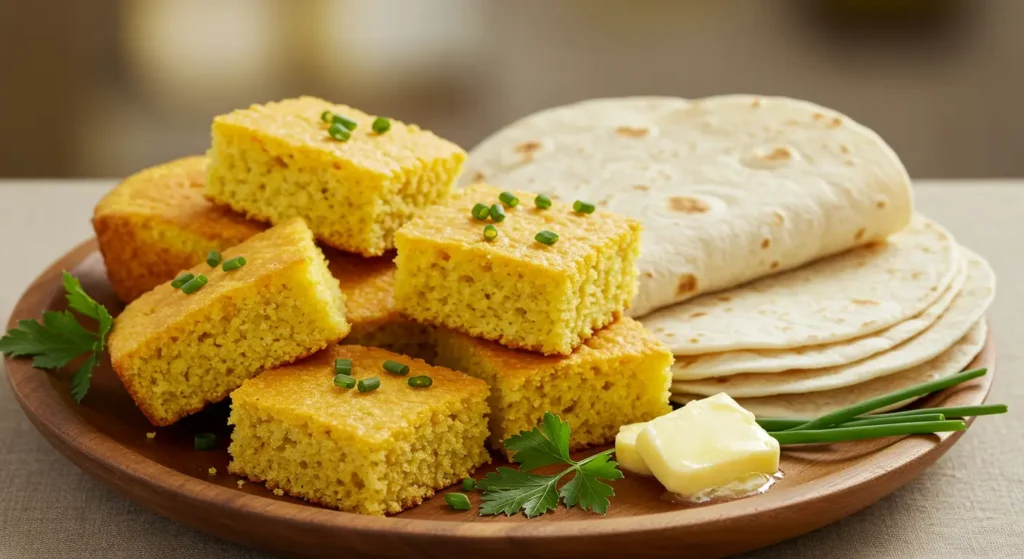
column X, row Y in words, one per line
column 106, row 437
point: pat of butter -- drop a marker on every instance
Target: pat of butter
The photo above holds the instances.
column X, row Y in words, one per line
column 625, row 449
column 706, row 444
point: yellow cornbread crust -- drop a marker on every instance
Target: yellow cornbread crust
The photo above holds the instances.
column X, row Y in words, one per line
column 374, row 453
column 178, row 352
column 621, row 375
column 276, row 161
column 156, row 223
column 514, row 289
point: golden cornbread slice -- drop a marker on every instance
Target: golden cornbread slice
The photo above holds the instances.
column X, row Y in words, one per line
column 621, row 375
column 178, row 352
column 276, row 161
column 376, row 452
column 514, row 289
column 157, row 223
column 368, row 285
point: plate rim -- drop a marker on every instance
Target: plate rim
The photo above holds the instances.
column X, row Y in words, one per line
column 80, row 441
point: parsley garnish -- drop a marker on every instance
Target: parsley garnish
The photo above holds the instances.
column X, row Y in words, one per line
column 59, row 338
column 509, row 490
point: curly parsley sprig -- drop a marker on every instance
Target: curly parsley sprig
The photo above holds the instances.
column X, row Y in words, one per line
column 59, row 338
column 509, row 490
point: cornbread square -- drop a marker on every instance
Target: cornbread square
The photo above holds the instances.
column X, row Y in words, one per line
column 156, row 223
column 176, row 353
column 368, row 285
column 276, row 161
column 619, row 376
column 376, row 452
column 514, row 289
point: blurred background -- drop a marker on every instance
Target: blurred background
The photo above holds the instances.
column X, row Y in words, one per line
column 106, row 87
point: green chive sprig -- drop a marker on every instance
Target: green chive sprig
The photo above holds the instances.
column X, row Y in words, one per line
column 490, row 232
column 368, row 384
column 468, row 484
column 327, row 116
column 421, row 381
column 347, row 123
column 338, row 131
column 457, row 501
column 508, row 199
column 381, row 125
column 205, row 441
column 838, row 434
column 345, row 381
column 396, row 368
column 194, row 284
column 546, row 237
column 481, row 212
column 234, row 264
column 182, row 280
column 343, row 366
column 542, row 201
column 213, row 258
column 579, row 206
column 497, row 213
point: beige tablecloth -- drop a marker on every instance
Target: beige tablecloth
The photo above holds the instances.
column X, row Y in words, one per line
column 970, row 504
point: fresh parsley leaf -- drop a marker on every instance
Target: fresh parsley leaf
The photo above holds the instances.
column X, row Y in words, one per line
column 545, row 445
column 510, row 490
column 59, row 338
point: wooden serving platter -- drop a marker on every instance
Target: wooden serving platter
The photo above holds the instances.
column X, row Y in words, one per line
column 106, row 437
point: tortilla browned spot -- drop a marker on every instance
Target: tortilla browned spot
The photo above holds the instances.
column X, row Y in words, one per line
column 778, row 154
column 859, row 234
column 864, row 302
column 766, row 242
column 687, row 205
column 774, row 265
column 880, row 204
column 755, row 103
column 817, row 116
column 631, row 132
column 698, row 314
column 694, row 341
column 527, row 148
column 641, row 187
column 478, row 177
column 687, row 284
column 836, row 122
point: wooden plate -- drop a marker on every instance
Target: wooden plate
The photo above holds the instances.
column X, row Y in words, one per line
column 106, row 437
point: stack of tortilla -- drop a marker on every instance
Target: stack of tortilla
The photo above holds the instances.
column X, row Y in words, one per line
column 782, row 260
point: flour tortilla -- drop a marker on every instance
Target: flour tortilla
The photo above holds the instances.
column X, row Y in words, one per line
column 967, row 308
column 816, row 404
column 729, row 188
column 714, row 365
column 853, row 294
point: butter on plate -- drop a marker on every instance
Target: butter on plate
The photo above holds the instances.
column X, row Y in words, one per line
column 708, row 448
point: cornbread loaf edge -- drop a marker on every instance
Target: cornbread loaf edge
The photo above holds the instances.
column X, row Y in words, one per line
column 514, row 289
column 156, row 223
column 374, row 453
column 277, row 161
column 178, row 352
column 621, row 375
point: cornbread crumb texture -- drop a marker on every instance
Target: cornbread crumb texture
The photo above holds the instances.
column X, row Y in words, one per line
column 373, row 453
column 368, row 285
column 175, row 352
column 619, row 376
column 513, row 289
column 276, row 161
column 156, row 223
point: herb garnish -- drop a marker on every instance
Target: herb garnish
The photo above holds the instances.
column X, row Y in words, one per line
column 59, row 338
column 508, row 490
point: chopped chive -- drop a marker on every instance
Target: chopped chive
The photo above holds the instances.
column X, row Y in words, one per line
column 394, row 367
column 497, row 213
column 381, row 125
column 490, row 232
column 343, row 366
column 345, row 381
column 347, row 123
column 327, row 116
column 508, row 199
column 481, row 212
column 181, row 280
column 194, row 284
column 234, row 264
column 339, row 132
column 840, row 434
column 368, row 384
column 205, row 441
column 213, row 258
column 457, row 501
column 547, row 237
column 468, row 484
column 542, row 201
column 579, row 206
column 895, row 397
column 421, row 381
